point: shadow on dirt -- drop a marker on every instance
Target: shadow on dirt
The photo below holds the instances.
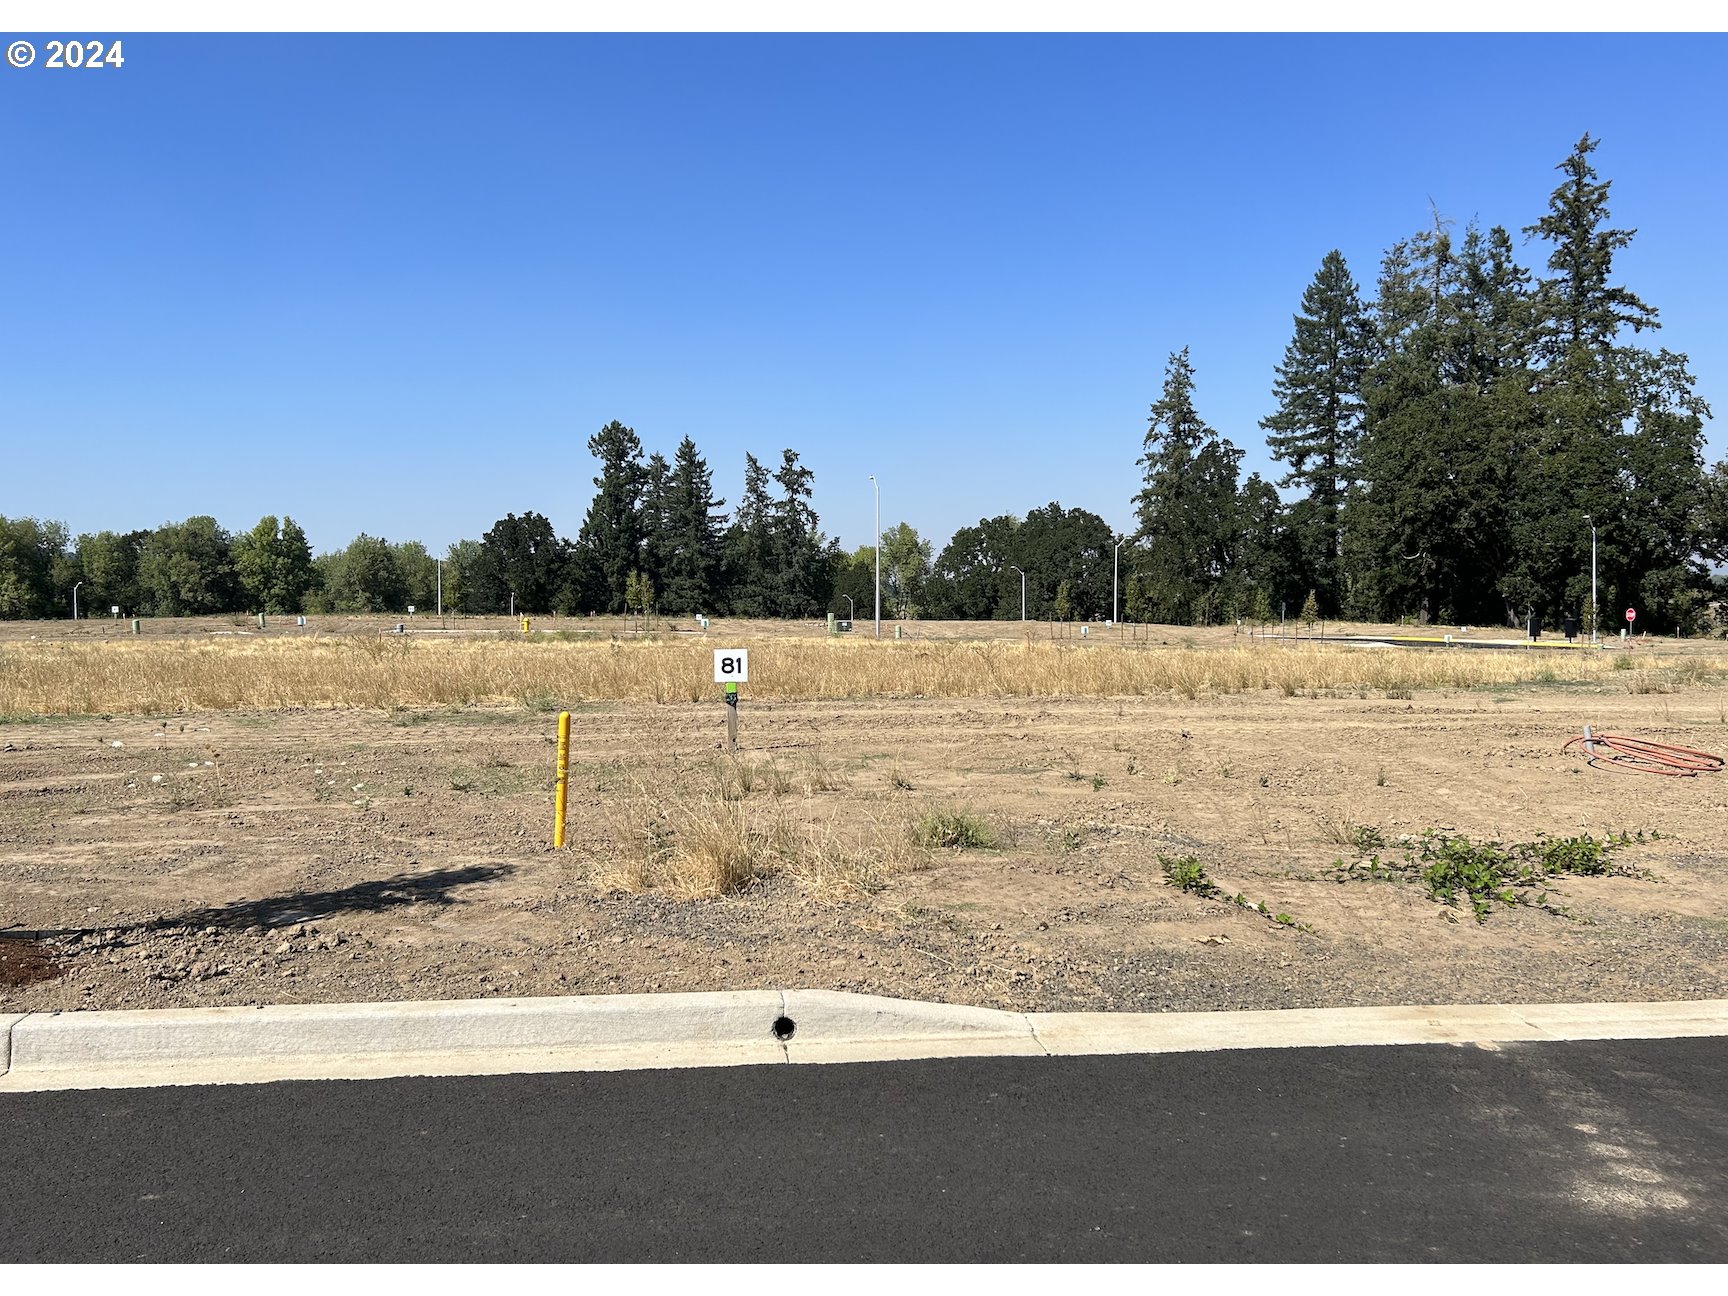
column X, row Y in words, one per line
column 309, row 906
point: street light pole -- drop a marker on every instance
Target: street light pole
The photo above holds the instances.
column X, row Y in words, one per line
column 1595, row 638
column 851, row 608
column 1115, row 575
column 878, row 486
column 440, row 591
column 75, row 590
column 1022, row 594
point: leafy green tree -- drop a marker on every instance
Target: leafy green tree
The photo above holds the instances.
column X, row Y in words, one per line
column 970, row 580
column 464, row 580
column 1269, row 560
column 1185, row 546
column 1310, row 609
column 33, row 570
column 110, row 563
column 855, row 578
column 273, row 564
column 610, row 544
column 187, row 569
column 1063, row 604
column 905, row 566
column 419, row 572
column 1319, row 415
column 362, row 578
column 524, row 564
column 1054, row 546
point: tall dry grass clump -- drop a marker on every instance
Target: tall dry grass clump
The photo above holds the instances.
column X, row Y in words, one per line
column 703, row 845
column 380, row 673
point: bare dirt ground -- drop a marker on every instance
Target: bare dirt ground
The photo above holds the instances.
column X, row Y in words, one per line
column 324, row 856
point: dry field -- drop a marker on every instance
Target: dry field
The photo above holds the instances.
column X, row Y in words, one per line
column 201, row 817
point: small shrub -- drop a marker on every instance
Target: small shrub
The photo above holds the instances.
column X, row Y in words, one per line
column 1187, row 874
column 953, row 830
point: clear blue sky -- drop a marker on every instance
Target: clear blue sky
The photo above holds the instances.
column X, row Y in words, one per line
column 393, row 284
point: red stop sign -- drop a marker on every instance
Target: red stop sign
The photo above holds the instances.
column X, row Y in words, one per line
column 1631, row 614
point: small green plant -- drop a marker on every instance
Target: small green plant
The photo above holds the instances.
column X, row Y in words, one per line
column 1098, row 782
column 1073, row 839
column 1380, row 777
column 1188, row 874
column 953, row 830
column 1454, row 869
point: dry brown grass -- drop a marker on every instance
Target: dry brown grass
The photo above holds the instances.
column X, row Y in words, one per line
column 696, row 846
column 169, row 676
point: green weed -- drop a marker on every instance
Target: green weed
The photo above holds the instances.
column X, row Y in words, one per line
column 955, row 830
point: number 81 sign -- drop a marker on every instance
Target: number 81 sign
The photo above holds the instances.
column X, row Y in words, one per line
column 731, row 665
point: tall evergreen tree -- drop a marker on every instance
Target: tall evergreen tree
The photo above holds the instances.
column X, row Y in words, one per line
column 1621, row 429
column 693, row 531
column 1319, row 417
column 609, row 545
column 657, row 540
column 749, row 546
column 801, row 578
column 1187, row 509
column 1446, row 419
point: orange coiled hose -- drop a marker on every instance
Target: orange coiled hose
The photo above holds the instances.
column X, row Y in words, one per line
column 1641, row 756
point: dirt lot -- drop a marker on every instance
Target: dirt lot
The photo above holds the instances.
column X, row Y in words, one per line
column 302, row 856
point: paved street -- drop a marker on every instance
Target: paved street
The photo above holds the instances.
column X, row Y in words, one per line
column 1597, row 1151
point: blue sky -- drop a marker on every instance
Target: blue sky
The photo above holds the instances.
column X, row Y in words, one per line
column 393, row 284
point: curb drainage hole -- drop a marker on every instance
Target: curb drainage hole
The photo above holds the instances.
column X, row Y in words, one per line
column 783, row 1028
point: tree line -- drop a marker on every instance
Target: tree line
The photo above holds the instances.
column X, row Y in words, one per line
column 1448, row 444
column 655, row 538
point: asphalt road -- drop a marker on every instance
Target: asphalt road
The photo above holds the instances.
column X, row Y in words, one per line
column 1560, row 1152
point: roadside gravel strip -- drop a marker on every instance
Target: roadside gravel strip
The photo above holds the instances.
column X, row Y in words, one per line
column 110, row 1050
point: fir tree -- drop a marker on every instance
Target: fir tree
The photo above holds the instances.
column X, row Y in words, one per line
column 693, row 531
column 609, row 545
column 1186, row 541
column 1319, row 415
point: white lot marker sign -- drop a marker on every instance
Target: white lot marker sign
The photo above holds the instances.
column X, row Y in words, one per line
column 731, row 665
column 731, row 668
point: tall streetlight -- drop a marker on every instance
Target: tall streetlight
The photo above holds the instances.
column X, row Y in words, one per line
column 1594, row 637
column 1115, row 574
column 851, row 610
column 75, row 590
column 878, row 486
column 1022, row 595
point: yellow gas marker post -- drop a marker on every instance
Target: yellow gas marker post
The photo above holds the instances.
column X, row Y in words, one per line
column 561, row 796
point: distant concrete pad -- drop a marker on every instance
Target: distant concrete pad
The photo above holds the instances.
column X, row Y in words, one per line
column 102, row 1050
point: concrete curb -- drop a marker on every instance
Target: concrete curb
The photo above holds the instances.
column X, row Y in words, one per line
column 98, row 1050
